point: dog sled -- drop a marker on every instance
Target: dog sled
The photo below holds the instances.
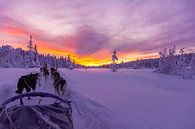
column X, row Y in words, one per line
column 47, row 116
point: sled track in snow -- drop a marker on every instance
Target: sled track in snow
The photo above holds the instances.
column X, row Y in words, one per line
column 93, row 115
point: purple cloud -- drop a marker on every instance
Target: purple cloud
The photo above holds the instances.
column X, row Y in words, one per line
column 89, row 26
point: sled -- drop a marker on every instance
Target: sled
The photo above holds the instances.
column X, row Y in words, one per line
column 49, row 116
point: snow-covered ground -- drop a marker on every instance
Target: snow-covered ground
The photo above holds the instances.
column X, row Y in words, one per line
column 127, row 99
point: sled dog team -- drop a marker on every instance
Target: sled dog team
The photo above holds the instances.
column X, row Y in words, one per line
column 29, row 82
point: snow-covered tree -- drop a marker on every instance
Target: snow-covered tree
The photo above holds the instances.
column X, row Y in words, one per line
column 36, row 57
column 182, row 64
column 192, row 63
column 114, row 59
column 168, row 61
column 32, row 59
column 182, row 51
column 6, row 56
column 69, row 63
column 163, row 61
column 10, row 57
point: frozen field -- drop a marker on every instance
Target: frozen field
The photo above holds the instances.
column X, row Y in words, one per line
column 127, row 99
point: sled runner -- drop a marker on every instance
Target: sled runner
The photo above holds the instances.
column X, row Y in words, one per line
column 51, row 116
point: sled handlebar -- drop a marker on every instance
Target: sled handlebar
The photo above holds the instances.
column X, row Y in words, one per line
column 34, row 94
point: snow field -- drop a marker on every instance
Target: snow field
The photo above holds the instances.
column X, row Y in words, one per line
column 127, row 99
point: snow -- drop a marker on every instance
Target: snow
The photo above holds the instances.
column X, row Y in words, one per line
column 126, row 99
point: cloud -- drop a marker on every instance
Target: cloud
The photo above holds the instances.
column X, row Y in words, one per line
column 89, row 27
column 89, row 41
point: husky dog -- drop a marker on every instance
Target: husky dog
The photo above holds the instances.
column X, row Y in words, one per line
column 60, row 85
column 59, row 82
column 45, row 72
column 27, row 82
column 53, row 72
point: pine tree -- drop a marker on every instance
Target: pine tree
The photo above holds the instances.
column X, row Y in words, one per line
column 30, row 47
column 36, row 57
column 163, row 61
column 69, row 63
column 114, row 59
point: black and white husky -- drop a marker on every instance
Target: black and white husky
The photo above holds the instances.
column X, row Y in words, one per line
column 60, row 83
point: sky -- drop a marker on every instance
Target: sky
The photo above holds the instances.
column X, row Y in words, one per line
column 89, row 30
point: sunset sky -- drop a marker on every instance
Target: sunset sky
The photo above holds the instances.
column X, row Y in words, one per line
column 91, row 29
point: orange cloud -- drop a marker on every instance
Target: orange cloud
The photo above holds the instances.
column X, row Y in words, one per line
column 12, row 31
